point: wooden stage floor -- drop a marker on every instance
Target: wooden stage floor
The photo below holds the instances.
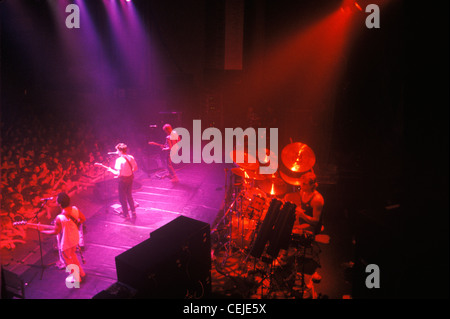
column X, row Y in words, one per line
column 199, row 195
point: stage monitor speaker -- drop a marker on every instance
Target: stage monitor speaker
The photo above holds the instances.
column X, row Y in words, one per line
column 12, row 286
column 116, row 291
column 180, row 229
column 193, row 236
column 106, row 189
column 174, row 263
column 154, row 162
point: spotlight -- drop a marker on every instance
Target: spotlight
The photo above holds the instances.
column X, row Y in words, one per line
column 351, row 6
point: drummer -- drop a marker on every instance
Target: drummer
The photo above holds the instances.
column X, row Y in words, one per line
column 309, row 205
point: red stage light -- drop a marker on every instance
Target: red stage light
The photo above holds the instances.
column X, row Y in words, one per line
column 358, row 6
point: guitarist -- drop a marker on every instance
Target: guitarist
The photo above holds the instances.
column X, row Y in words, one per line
column 124, row 169
column 66, row 226
column 172, row 139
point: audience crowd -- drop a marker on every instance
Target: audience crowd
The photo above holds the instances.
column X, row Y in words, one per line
column 39, row 159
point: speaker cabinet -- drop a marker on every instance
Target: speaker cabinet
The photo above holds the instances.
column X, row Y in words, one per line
column 116, row 291
column 175, row 262
column 106, row 189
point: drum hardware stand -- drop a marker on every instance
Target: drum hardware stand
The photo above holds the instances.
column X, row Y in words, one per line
column 242, row 217
column 230, row 207
column 227, row 242
column 269, row 271
column 301, row 255
column 241, row 228
column 252, row 242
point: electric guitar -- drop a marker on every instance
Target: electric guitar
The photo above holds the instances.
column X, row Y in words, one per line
column 164, row 147
column 101, row 165
column 157, row 144
column 36, row 226
column 107, row 168
column 43, row 226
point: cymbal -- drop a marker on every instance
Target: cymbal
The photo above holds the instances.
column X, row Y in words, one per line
column 247, row 174
column 290, row 180
column 254, row 191
column 244, row 159
column 269, row 160
column 298, row 157
column 274, row 185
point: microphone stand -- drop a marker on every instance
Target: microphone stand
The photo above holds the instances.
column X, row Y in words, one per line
column 42, row 266
column 107, row 200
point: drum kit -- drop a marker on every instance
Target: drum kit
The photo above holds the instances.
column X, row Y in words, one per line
column 259, row 210
column 253, row 193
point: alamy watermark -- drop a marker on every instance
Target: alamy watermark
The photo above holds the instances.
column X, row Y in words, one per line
column 373, row 279
column 73, row 19
column 250, row 146
column 73, row 280
column 373, row 19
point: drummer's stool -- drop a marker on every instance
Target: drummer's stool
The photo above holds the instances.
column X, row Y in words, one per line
column 307, row 243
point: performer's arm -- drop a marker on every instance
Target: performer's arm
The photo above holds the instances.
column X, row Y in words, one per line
column 56, row 229
column 317, row 205
column 135, row 166
column 167, row 146
column 114, row 171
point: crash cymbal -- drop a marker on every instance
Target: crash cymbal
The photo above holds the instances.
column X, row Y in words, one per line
column 274, row 185
column 290, row 180
column 254, row 191
column 247, row 174
column 269, row 160
column 298, row 157
column 244, row 160
column 274, row 176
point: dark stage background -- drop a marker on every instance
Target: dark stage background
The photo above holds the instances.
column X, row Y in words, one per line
column 359, row 97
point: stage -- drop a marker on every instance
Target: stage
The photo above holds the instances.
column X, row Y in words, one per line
column 200, row 195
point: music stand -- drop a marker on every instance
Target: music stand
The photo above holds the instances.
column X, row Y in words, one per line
column 42, row 266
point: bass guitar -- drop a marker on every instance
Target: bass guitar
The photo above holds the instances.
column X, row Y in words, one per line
column 157, row 144
column 164, row 148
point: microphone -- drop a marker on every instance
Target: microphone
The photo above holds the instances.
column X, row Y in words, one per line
column 113, row 153
column 48, row 198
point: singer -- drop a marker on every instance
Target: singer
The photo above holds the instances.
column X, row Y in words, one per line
column 124, row 169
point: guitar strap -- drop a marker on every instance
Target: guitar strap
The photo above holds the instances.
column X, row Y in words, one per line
column 129, row 163
column 78, row 227
column 72, row 218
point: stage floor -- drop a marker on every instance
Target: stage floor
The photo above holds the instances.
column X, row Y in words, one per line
column 199, row 195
